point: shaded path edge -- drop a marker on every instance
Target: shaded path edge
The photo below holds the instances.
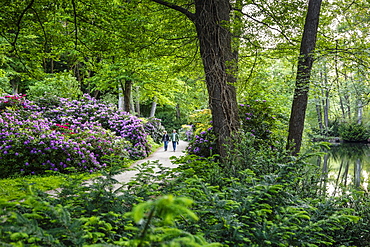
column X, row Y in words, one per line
column 163, row 158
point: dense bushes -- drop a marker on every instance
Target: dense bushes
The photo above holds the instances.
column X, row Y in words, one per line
column 154, row 128
column 58, row 134
column 35, row 145
column 88, row 109
column 353, row 132
column 258, row 196
column 257, row 120
column 94, row 216
column 240, row 206
column 203, row 144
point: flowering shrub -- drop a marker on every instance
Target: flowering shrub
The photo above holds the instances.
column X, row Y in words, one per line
column 60, row 134
column 35, row 145
column 12, row 102
column 154, row 128
column 88, row 109
column 201, row 120
column 257, row 118
column 187, row 132
column 203, row 144
column 257, row 121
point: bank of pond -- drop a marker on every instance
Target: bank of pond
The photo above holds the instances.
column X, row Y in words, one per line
column 345, row 164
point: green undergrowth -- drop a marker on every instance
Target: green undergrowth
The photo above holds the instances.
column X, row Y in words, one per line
column 11, row 188
column 258, row 196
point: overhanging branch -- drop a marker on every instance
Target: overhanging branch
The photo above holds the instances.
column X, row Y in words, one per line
column 19, row 23
column 186, row 12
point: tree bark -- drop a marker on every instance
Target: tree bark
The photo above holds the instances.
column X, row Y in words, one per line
column 319, row 115
column 326, row 111
column 305, row 61
column 178, row 112
column 14, row 82
column 137, row 103
column 120, row 98
column 154, row 107
column 219, row 66
column 211, row 19
column 341, row 104
column 127, row 96
column 359, row 111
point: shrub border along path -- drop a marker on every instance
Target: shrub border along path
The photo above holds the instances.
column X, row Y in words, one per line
column 162, row 156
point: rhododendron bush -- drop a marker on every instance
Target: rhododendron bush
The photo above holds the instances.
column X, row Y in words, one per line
column 62, row 135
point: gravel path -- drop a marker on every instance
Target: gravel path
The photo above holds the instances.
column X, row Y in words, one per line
column 162, row 156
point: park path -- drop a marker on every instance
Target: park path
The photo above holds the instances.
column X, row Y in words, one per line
column 126, row 176
column 163, row 157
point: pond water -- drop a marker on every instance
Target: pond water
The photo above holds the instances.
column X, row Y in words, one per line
column 346, row 164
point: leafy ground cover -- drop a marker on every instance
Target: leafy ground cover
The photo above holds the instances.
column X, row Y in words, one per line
column 258, row 196
column 266, row 199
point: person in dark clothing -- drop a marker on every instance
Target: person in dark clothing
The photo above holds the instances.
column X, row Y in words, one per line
column 165, row 140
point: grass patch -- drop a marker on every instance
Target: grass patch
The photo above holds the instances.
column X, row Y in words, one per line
column 15, row 188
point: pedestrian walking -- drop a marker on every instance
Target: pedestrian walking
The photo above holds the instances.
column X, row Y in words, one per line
column 174, row 137
column 165, row 140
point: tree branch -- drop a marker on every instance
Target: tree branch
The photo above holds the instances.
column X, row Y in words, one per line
column 42, row 27
column 19, row 24
column 186, row 12
column 265, row 24
column 75, row 21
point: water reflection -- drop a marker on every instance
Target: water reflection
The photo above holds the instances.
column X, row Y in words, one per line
column 345, row 164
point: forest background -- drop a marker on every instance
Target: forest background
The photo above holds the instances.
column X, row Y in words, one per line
column 148, row 57
column 149, row 54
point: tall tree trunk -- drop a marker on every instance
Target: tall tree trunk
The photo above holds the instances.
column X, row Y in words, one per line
column 338, row 82
column 359, row 111
column 326, row 111
column 137, row 103
column 120, row 97
column 326, row 98
column 154, row 107
column 211, row 19
column 299, row 106
column 347, row 99
column 219, row 66
column 127, row 96
column 319, row 115
column 15, row 85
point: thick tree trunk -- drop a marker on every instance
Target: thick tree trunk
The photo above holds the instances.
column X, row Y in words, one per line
column 299, row 106
column 219, row 66
column 212, row 19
